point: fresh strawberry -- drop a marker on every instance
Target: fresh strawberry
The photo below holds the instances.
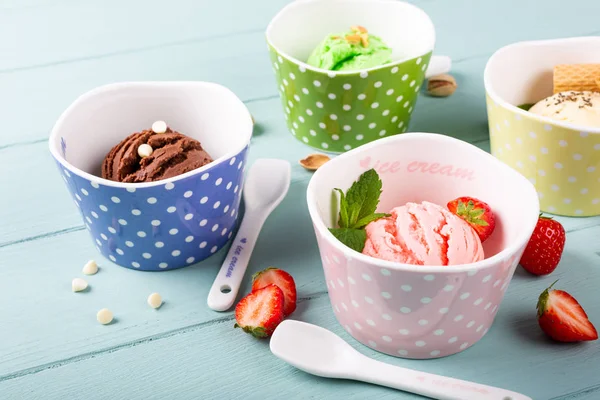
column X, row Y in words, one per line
column 545, row 247
column 561, row 317
column 283, row 280
column 477, row 213
column 260, row 312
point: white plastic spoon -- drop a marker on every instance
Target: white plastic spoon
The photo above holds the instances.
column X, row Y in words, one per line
column 320, row 352
column 266, row 185
column 438, row 65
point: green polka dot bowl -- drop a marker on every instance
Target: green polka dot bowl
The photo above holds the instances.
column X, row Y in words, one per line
column 561, row 159
column 336, row 111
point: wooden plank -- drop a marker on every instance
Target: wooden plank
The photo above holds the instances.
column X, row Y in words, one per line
column 51, row 345
column 90, row 29
column 206, row 61
column 116, row 26
column 30, row 168
column 42, row 300
column 21, row 221
column 238, row 61
column 212, row 360
column 238, row 66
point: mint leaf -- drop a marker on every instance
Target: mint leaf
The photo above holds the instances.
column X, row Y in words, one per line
column 353, row 238
column 343, row 221
column 357, row 209
column 369, row 218
column 364, row 195
column 354, row 212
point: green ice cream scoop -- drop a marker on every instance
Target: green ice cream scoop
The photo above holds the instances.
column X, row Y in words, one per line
column 350, row 51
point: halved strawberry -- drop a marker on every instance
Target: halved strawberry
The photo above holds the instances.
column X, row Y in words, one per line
column 561, row 317
column 283, row 280
column 260, row 312
column 476, row 212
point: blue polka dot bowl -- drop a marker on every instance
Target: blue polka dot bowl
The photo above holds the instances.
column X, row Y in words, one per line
column 165, row 224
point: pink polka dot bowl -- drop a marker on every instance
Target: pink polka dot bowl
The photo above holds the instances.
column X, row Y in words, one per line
column 167, row 224
column 413, row 311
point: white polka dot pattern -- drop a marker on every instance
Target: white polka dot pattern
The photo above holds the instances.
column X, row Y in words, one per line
column 339, row 112
column 563, row 164
column 412, row 314
column 165, row 226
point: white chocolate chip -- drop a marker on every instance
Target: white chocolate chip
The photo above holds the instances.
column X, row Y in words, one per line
column 154, row 300
column 90, row 268
column 104, row 316
column 79, row 284
column 159, row 127
column 145, row 150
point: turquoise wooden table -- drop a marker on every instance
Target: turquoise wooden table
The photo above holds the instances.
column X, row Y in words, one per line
column 51, row 346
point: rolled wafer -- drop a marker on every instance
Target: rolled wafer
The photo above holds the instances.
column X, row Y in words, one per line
column 578, row 77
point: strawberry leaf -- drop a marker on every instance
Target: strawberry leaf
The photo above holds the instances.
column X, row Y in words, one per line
column 258, row 331
column 259, row 273
column 478, row 212
column 543, row 300
column 480, row 222
column 471, row 214
column 461, row 208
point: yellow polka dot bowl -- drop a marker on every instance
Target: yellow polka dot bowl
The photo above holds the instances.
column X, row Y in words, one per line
column 561, row 159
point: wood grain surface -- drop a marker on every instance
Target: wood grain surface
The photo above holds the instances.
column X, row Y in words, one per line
column 51, row 347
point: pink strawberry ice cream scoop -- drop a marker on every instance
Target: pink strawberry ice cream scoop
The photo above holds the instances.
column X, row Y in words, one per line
column 423, row 234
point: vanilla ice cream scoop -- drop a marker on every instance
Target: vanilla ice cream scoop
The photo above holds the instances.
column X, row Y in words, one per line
column 423, row 234
column 580, row 108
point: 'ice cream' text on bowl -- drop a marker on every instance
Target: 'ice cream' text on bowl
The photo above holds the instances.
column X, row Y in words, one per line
column 417, row 311
column 169, row 223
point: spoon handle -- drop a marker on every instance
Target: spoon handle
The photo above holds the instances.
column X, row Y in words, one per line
column 438, row 65
column 429, row 385
column 227, row 283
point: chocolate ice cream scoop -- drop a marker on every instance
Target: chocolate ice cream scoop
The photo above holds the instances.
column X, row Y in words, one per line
column 172, row 154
